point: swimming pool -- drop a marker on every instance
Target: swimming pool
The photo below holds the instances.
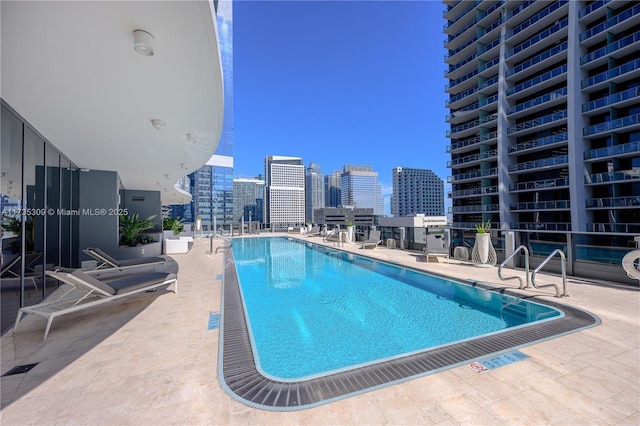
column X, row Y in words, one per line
column 295, row 289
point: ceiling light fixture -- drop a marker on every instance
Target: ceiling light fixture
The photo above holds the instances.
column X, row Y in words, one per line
column 143, row 43
column 158, row 124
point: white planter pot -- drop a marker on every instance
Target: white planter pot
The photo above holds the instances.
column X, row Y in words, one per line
column 483, row 241
column 483, row 253
column 350, row 234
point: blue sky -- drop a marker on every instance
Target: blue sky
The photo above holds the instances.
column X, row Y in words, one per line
column 340, row 82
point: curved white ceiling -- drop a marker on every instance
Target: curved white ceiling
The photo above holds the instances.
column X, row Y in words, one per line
column 70, row 70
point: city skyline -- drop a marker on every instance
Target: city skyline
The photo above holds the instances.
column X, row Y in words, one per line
column 369, row 91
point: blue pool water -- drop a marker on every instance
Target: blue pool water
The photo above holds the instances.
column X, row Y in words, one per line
column 313, row 310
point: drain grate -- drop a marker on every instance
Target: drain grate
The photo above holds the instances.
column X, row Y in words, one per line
column 20, row 369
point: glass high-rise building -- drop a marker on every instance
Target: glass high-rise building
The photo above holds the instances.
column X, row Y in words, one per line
column 314, row 191
column 211, row 186
column 284, row 195
column 248, row 200
column 360, row 188
column 416, row 191
column 544, row 114
column 332, row 191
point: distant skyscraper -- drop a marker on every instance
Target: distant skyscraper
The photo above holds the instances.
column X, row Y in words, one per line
column 211, row 186
column 332, row 192
column 544, row 114
column 285, row 199
column 248, row 200
column 360, row 188
column 417, row 191
column 314, row 188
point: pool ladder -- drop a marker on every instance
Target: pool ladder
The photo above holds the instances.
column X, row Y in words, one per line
column 563, row 267
column 526, row 267
column 533, row 275
column 224, row 247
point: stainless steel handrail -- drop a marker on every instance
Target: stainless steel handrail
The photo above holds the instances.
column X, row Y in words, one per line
column 526, row 266
column 564, row 273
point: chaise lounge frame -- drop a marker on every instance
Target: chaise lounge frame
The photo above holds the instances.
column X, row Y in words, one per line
column 86, row 291
column 105, row 261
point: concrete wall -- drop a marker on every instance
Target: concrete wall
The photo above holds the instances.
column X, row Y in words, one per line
column 98, row 205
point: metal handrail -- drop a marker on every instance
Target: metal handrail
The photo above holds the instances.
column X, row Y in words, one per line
column 564, row 273
column 224, row 247
column 526, row 266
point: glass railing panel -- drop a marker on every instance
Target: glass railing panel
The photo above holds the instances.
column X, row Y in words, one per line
column 627, row 148
column 461, row 79
column 473, row 175
column 612, row 125
column 622, row 69
column 472, row 124
column 490, row 28
column 609, row 177
column 488, row 83
column 610, row 48
column 609, row 100
column 455, row 51
column 593, row 6
column 459, row 64
column 627, row 228
column 471, row 158
column 461, row 95
column 537, row 80
column 467, row 10
column 537, row 101
column 535, row 18
column 489, row 100
column 627, row 14
column 541, row 226
column 475, row 191
column 540, row 36
column 476, row 208
column 547, row 140
column 538, row 121
column 545, row 205
column 539, row 184
column 489, row 64
column 553, row 161
column 520, row 8
column 489, row 46
column 539, row 58
column 633, row 201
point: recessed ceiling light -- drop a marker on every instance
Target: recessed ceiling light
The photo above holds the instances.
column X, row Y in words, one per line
column 158, row 124
column 143, row 43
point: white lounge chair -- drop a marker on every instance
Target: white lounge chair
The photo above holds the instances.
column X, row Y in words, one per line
column 105, row 261
column 373, row 241
column 85, row 291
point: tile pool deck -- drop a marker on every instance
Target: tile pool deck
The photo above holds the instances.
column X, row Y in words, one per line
column 150, row 359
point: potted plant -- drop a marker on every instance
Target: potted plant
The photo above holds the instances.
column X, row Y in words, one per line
column 350, row 232
column 483, row 253
column 13, row 225
column 132, row 227
column 173, row 224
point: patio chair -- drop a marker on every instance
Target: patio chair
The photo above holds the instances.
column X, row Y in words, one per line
column 314, row 232
column 105, row 261
column 373, row 241
column 11, row 269
column 436, row 245
column 85, row 291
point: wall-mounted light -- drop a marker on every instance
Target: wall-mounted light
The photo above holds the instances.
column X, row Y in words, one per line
column 143, row 43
